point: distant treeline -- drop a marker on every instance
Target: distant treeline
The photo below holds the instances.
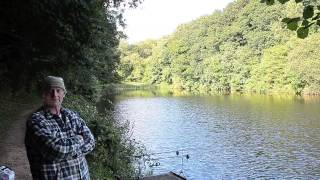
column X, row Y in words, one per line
column 244, row 48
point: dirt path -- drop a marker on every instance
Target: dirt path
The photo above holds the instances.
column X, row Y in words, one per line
column 12, row 150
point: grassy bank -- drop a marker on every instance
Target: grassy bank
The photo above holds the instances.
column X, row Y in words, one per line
column 136, row 89
column 113, row 88
column 172, row 90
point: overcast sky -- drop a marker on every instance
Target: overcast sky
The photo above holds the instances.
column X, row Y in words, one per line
column 155, row 18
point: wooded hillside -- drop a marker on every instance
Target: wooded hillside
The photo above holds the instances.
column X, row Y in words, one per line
column 246, row 47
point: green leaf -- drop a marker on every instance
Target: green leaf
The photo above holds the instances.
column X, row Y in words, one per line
column 292, row 23
column 305, row 23
column 318, row 7
column 297, row 1
column 269, row 2
column 318, row 22
column 292, row 26
column 285, row 20
column 288, row 20
column 283, row 1
column 308, row 12
column 303, row 32
column 316, row 17
column 309, row 25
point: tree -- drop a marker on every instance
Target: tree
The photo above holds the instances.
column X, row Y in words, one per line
column 305, row 63
column 59, row 37
column 310, row 16
column 245, row 47
column 272, row 74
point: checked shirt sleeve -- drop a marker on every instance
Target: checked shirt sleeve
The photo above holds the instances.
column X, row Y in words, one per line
column 89, row 142
column 51, row 146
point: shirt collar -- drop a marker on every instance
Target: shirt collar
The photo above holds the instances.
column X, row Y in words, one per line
column 49, row 115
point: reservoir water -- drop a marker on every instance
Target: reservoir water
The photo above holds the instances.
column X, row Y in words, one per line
column 226, row 137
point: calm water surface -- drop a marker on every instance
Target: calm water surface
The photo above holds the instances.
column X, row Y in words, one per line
column 227, row 137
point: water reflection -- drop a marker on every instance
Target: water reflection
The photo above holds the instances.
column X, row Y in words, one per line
column 228, row 137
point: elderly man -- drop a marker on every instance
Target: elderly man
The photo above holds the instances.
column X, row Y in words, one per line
column 57, row 139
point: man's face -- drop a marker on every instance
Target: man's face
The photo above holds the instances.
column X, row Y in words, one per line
column 53, row 97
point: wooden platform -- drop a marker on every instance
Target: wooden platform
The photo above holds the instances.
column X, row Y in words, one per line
column 167, row 176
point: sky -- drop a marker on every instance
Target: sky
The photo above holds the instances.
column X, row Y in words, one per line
column 154, row 19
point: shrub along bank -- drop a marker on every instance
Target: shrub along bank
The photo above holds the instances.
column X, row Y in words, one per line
column 111, row 157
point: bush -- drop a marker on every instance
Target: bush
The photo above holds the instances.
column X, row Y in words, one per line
column 112, row 156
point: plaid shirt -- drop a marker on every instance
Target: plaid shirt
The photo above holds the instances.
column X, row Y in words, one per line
column 56, row 146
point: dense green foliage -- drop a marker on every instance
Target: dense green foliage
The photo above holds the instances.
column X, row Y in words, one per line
column 309, row 17
column 112, row 155
column 73, row 39
column 78, row 41
column 244, row 48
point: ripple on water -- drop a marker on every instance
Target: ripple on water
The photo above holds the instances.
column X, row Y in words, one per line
column 228, row 138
